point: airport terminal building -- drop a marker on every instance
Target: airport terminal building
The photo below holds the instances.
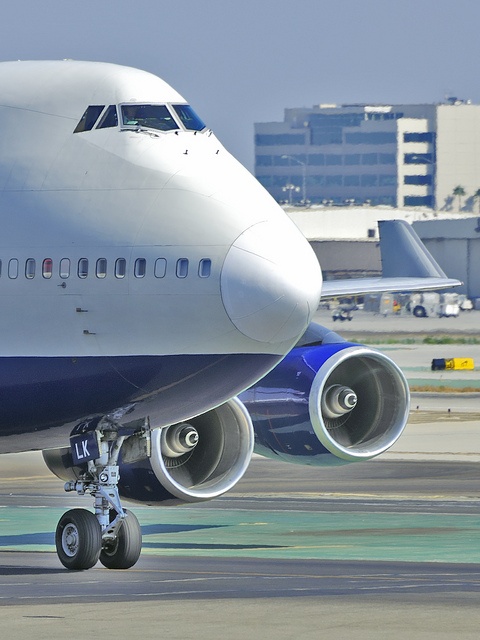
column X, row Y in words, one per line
column 396, row 155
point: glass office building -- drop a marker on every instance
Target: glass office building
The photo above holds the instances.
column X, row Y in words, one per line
column 398, row 155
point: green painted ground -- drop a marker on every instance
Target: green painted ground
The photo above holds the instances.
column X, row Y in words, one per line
column 450, row 383
column 222, row 533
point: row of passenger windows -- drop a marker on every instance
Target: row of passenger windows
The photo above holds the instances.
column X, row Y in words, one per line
column 84, row 267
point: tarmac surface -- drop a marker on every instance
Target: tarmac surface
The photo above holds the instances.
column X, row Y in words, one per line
column 388, row 548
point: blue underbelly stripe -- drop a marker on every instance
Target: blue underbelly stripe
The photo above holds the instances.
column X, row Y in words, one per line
column 37, row 394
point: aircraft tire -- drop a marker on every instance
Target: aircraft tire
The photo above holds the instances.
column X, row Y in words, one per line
column 124, row 552
column 78, row 539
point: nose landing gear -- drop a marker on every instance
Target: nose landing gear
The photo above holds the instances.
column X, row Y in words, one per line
column 111, row 534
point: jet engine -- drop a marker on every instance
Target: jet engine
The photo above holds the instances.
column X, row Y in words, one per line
column 195, row 460
column 329, row 402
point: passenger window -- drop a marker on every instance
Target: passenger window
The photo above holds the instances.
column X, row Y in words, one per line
column 160, row 267
column 82, row 268
column 13, row 268
column 47, row 266
column 140, row 267
column 101, row 268
column 205, row 268
column 109, row 118
column 89, row 118
column 30, row 268
column 120, row 268
column 64, row 268
column 182, row 268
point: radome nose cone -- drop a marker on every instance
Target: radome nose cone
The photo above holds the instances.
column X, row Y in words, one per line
column 271, row 282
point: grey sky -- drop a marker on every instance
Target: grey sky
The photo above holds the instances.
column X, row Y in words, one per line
column 242, row 61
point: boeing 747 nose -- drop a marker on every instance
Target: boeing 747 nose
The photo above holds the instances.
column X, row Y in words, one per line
column 271, row 282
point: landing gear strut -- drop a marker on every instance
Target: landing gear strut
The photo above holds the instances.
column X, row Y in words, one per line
column 113, row 534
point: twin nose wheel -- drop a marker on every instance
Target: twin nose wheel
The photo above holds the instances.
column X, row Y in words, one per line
column 79, row 542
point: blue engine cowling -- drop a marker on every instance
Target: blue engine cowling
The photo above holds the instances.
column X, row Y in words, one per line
column 328, row 404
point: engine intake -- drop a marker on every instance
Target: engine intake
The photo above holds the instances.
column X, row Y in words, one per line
column 379, row 412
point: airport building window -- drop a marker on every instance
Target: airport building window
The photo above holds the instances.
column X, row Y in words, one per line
column 30, row 268
column 140, row 268
column 327, row 120
column 334, row 180
column 109, row 118
column 13, row 268
column 387, row 180
column 263, row 161
column 151, row 116
column 418, row 158
column 182, row 268
column 427, row 136
column 189, row 118
column 267, row 140
column 89, row 118
column 421, row 180
column 369, row 158
column 352, row 181
column 0, row 267
column 160, row 267
column 64, row 268
column 329, row 135
column 316, row 159
column 296, row 159
column 101, row 268
column 376, row 137
column 205, row 268
column 281, row 161
column 333, row 159
column 82, row 270
column 120, row 268
column 368, row 180
column 352, row 159
column 387, row 158
column 418, row 201
column 47, row 268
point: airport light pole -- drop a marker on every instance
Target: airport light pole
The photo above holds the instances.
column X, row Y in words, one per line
column 304, row 177
column 290, row 188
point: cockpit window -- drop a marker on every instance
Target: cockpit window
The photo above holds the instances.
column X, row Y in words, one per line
column 109, row 118
column 89, row 118
column 188, row 117
column 151, row 116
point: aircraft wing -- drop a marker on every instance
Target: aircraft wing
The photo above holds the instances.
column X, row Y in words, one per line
column 361, row 286
column 407, row 265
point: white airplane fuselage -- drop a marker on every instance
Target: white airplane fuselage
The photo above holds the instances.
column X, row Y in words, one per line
column 143, row 269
